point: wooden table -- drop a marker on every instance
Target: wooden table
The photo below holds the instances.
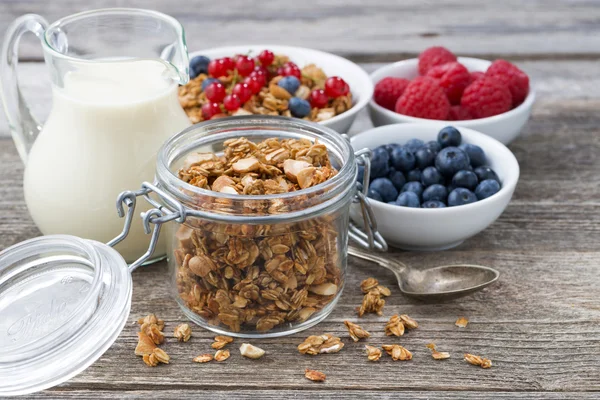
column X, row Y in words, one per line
column 540, row 324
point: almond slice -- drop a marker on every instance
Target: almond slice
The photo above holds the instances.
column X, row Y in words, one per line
column 222, row 182
column 197, row 158
column 305, row 177
column 246, row 165
column 293, row 167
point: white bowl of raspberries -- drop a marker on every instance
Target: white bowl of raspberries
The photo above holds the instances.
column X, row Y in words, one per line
column 432, row 186
column 494, row 98
column 319, row 104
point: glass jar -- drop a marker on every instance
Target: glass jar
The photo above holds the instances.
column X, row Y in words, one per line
column 265, row 265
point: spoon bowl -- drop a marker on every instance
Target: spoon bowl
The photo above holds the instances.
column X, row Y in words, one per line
column 441, row 283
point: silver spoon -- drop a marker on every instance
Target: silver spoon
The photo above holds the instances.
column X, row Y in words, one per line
column 434, row 284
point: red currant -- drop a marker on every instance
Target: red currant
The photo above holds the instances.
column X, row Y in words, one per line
column 244, row 65
column 243, row 91
column 255, row 83
column 266, row 58
column 231, row 102
column 290, row 69
column 215, row 92
column 210, row 109
column 336, row 87
column 220, row 66
column 261, row 73
column 318, row 98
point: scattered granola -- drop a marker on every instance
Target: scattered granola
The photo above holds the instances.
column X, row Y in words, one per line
column 372, row 303
column 326, row 343
column 397, row 352
column 222, row 355
column 355, row 331
column 477, row 360
column 373, row 353
column 256, row 277
column 247, row 350
column 438, row 355
column 152, row 319
column 183, row 332
column 316, row 376
column 203, row 358
column 145, row 345
column 371, row 283
column 262, row 94
column 462, row 322
column 408, row 322
column 221, row 341
column 395, row 326
column 157, row 356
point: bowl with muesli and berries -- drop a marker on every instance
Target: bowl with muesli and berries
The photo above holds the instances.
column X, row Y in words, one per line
column 275, row 80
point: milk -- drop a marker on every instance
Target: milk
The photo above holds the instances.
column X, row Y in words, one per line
column 101, row 138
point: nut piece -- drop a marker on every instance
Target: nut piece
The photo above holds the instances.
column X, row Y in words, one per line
column 201, row 265
column 324, row 289
column 315, row 376
column 395, row 326
column 145, row 345
column 247, row 350
column 221, row 341
column 183, row 332
column 438, row 355
column 222, row 182
column 408, row 322
column 222, row 355
column 293, row 167
column 245, row 165
column 355, row 331
column 462, row 322
column 368, row 284
column 203, row 358
column 373, row 353
column 397, row 352
column 477, row 360
column 372, row 303
column 326, row 343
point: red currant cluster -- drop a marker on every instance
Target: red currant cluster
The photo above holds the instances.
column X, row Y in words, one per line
column 250, row 76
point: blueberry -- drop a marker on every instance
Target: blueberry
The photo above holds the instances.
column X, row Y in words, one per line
column 390, row 147
column 403, row 159
column 207, row 82
column 465, row 179
column 433, row 204
column 380, row 163
column 449, row 136
column 415, row 187
column 433, row 146
column 413, row 175
column 414, row 145
column 289, row 83
column 451, row 160
column 385, row 188
column 461, row 196
column 487, row 188
column 424, row 157
column 198, row 65
column 299, row 107
column 374, row 195
column 484, row 173
column 475, row 153
column 431, row 176
column 408, row 199
column 361, row 174
column 397, row 178
column 435, row 192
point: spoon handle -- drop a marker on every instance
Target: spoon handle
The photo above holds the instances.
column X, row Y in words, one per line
column 396, row 267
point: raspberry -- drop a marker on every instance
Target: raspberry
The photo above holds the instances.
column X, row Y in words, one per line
column 453, row 78
column 486, row 97
column 458, row 113
column 476, row 75
column 433, row 57
column 423, row 98
column 516, row 80
column 388, row 90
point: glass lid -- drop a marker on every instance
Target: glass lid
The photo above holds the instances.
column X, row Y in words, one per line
column 63, row 302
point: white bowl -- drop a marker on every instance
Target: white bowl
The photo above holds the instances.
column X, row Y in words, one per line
column 443, row 228
column 503, row 127
column 360, row 84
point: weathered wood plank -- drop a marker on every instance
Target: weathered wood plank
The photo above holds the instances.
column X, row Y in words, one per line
column 381, row 29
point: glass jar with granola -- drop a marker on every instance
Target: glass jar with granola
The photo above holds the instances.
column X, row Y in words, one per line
column 260, row 249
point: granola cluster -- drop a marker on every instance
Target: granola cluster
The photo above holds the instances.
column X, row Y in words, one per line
column 149, row 336
column 270, row 99
column 256, row 277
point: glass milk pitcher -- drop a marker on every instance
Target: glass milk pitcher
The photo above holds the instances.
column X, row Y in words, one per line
column 114, row 74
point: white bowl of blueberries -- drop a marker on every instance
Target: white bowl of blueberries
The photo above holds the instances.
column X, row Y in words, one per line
column 433, row 186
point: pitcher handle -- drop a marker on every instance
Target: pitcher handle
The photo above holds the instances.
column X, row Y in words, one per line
column 24, row 128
